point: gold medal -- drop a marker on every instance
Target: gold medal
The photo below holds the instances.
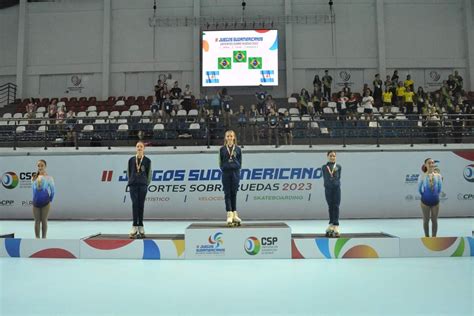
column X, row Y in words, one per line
column 231, row 153
column 138, row 165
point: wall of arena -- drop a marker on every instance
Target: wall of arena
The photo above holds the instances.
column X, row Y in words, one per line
column 103, row 47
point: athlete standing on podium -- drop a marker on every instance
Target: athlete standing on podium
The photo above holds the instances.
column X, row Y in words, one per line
column 139, row 176
column 332, row 190
column 230, row 162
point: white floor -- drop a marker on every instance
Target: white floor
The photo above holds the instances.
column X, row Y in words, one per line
column 423, row 286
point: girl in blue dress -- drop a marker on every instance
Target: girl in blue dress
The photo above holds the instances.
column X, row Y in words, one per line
column 429, row 187
column 43, row 194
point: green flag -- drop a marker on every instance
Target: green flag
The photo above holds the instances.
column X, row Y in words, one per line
column 255, row 62
column 224, row 63
column 240, row 56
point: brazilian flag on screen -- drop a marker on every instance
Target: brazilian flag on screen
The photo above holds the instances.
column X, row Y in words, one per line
column 255, row 62
column 224, row 63
column 240, row 56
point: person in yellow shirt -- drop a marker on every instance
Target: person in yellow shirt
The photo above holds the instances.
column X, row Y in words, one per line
column 409, row 83
column 401, row 95
column 409, row 94
column 387, row 100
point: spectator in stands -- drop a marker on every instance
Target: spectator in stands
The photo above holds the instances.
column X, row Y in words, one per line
column 469, row 116
column 158, row 90
column 213, row 120
column 342, row 105
column 155, row 110
column 346, row 89
column 216, row 103
column 242, row 122
column 327, row 84
column 377, row 90
column 409, row 96
column 459, row 82
column 317, row 82
column 365, row 89
column 432, row 123
column 387, row 100
column 303, row 100
column 368, row 105
column 457, row 120
column 395, row 78
column 452, row 84
column 444, row 91
column 60, row 116
column 317, row 98
column 409, row 83
column 167, row 109
column 31, row 110
column 164, row 91
column 287, row 127
column 425, row 108
column 401, row 96
column 420, row 97
column 43, row 194
column 352, row 107
column 437, row 100
column 391, row 87
column 272, row 120
column 227, row 110
column 449, row 101
column 253, row 123
column 187, row 98
column 175, row 92
column 261, row 96
column 269, row 104
column 52, row 110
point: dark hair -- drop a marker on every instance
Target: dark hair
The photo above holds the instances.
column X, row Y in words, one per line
column 330, row 151
column 423, row 167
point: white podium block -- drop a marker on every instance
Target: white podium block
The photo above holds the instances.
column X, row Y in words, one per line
column 249, row 241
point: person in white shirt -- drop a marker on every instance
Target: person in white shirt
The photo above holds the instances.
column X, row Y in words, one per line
column 368, row 105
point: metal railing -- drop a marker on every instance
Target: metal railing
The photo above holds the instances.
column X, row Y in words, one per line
column 199, row 131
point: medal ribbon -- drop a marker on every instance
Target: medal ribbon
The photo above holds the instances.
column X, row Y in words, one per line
column 331, row 172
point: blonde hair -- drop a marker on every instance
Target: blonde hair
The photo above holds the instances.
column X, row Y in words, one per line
column 225, row 138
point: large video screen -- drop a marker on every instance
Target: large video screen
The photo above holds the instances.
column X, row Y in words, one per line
column 240, row 58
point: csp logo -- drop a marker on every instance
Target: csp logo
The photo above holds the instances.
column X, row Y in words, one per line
column 344, row 75
column 216, row 239
column 252, row 245
column 469, row 173
column 9, row 180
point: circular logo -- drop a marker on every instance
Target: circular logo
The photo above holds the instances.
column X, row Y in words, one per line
column 409, row 197
column 9, row 180
column 469, row 173
column 76, row 80
column 216, row 239
column 344, row 75
column 252, row 246
column 434, row 75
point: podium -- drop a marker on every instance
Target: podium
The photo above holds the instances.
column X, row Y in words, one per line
column 249, row 241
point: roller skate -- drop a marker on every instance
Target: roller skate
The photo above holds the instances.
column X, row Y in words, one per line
column 133, row 232
column 230, row 219
column 329, row 231
column 336, row 231
column 235, row 219
column 141, row 232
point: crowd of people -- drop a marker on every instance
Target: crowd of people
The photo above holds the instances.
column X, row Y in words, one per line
column 264, row 118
